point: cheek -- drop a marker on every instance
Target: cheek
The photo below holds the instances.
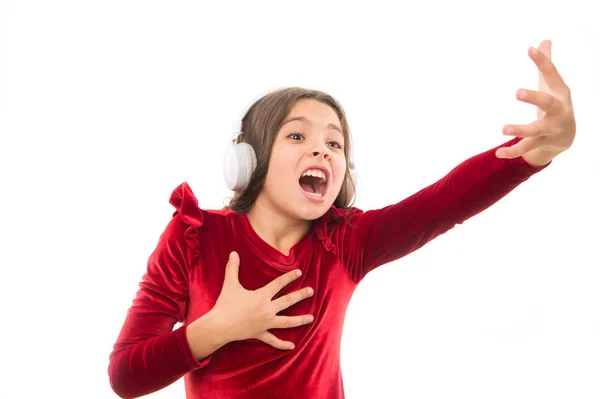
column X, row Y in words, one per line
column 340, row 172
column 281, row 171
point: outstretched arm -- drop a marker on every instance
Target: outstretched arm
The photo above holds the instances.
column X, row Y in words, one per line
column 383, row 235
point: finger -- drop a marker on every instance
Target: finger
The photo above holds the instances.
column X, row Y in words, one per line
column 232, row 269
column 546, row 101
column 290, row 299
column 542, row 85
column 546, row 48
column 520, row 148
column 275, row 342
column 548, row 71
column 533, row 129
column 292, row 321
column 276, row 285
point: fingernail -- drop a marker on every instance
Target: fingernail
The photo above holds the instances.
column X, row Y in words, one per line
column 299, row 273
column 509, row 130
column 310, row 291
column 232, row 255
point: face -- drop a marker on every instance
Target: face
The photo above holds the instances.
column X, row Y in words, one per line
column 314, row 141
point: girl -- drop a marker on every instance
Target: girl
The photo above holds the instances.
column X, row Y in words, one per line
column 262, row 286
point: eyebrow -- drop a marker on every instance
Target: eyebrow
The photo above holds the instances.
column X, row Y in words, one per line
column 304, row 119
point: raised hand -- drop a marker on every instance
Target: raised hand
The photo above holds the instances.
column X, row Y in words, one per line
column 554, row 131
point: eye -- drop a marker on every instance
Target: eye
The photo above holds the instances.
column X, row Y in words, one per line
column 294, row 134
column 337, row 144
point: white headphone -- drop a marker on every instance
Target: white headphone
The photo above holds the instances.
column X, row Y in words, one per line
column 239, row 163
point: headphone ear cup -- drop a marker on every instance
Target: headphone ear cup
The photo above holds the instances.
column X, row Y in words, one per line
column 238, row 165
column 246, row 164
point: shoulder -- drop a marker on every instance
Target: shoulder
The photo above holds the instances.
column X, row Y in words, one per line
column 188, row 217
column 331, row 228
column 186, row 206
column 341, row 216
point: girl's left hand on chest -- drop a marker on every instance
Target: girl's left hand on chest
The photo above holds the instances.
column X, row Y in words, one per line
column 554, row 131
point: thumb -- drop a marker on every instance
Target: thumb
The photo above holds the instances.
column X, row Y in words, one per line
column 232, row 269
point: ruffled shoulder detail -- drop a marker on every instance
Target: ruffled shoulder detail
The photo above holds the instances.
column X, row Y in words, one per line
column 186, row 205
column 333, row 217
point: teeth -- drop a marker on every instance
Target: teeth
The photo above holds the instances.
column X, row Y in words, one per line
column 316, row 195
column 315, row 173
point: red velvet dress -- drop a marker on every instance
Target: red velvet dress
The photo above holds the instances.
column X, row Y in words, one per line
column 186, row 271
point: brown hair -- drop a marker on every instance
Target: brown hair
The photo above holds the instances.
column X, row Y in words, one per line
column 260, row 126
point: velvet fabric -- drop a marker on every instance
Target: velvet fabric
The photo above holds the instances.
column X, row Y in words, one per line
column 185, row 274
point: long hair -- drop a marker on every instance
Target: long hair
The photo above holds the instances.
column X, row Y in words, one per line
column 260, row 126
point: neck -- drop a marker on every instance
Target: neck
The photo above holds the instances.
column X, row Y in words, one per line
column 276, row 228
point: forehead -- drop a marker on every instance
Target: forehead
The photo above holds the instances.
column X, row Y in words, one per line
column 315, row 113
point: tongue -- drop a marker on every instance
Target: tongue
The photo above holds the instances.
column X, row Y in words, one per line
column 307, row 187
column 311, row 184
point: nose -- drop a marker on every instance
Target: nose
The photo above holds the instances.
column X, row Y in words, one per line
column 321, row 149
column 326, row 154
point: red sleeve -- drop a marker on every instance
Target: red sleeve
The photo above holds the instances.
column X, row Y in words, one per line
column 148, row 354
column 384, row 235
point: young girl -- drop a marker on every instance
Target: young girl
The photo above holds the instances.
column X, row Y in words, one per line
column 253, row 327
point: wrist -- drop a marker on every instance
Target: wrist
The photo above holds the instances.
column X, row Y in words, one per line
column 218, row 326
column 206, row 335
column 538, row 157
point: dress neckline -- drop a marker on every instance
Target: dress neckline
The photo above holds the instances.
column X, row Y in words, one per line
column 270, row 253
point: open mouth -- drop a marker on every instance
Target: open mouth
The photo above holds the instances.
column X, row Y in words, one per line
column 313, row 185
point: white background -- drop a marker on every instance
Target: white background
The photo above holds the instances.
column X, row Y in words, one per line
column 105, row 107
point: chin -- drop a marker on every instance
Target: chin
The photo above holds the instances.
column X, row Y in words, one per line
column 311, row 210
column 313, row 213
